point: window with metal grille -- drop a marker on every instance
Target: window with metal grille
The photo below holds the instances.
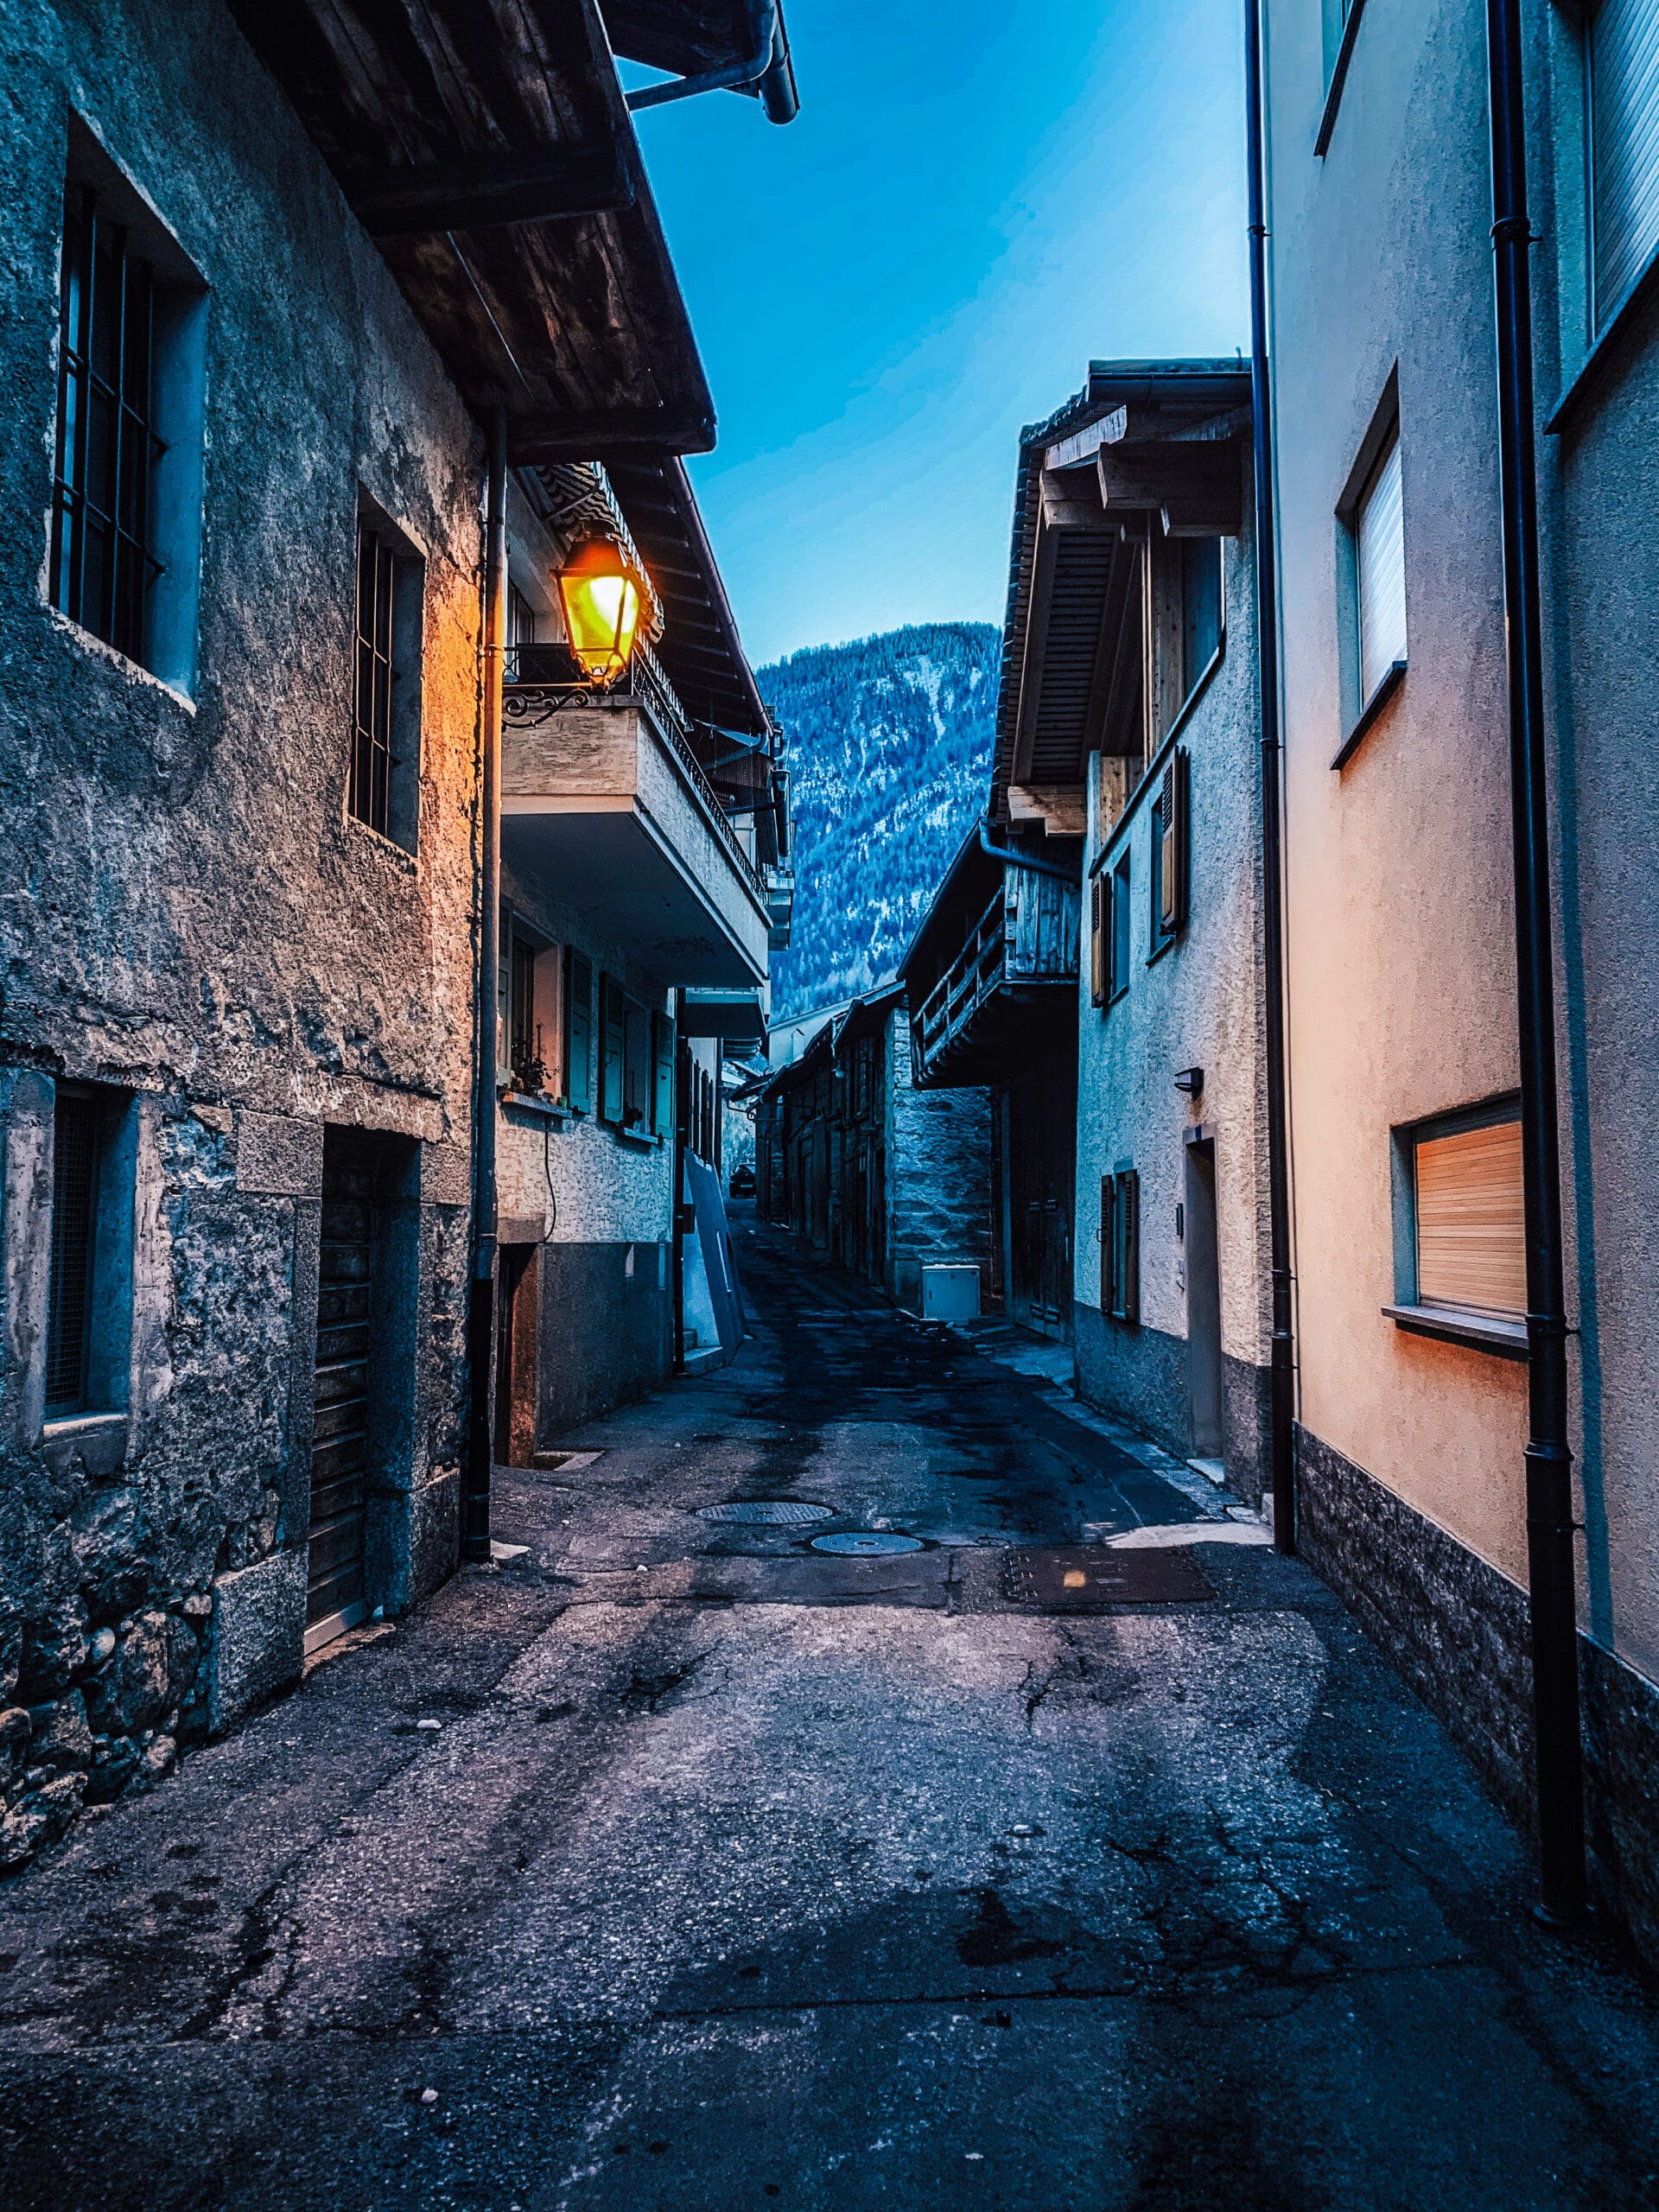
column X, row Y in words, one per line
column 74, row 1226
column 371, row 786
column 1623, row 71
column 104, row 560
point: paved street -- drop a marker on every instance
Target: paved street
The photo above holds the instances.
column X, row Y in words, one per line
column 677, row 1864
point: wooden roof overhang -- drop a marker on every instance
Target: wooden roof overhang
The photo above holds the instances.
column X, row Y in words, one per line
column 1145, row 447
column 699, row 647
column 486, row 148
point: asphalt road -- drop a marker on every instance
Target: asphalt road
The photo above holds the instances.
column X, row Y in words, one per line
column 738, row 1874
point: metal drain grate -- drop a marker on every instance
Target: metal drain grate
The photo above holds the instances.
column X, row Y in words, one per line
column 866, row 1543
column 769, row 1512
column 1086, row 1579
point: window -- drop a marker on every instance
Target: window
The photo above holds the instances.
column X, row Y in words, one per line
column 1119, row 1245
column 578, row 1031
column 1170, row 817
column 1099, row 939
column 126, row 491
column 1470, row 1237
column 384, row 790
column 1118, row 979
column 525, row 1032
column 1201, row 623
column 637, row 1067
column 661, row 1090
column 1623, row 73
column 612, row 1042
column 1380, row 574
column 75, row 1150
column 90, row 1252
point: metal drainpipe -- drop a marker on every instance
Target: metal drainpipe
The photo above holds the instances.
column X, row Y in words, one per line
column 480, row 1315
column 1551, row 1565
column 1281, row 1373
column 682, row 1110
column 736, row 76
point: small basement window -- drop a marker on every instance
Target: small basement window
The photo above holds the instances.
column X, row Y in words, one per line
column 89, row 1268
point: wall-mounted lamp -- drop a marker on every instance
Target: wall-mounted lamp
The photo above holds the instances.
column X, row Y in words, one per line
column 1190, row 1080
column 599, row 593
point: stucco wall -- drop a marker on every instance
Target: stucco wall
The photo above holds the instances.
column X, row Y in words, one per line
column 201, row 927
column 1196, row 1005
column 1401, row 994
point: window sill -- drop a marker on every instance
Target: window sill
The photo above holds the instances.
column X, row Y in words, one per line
column 640, row 1140
column 1369, row 715
column 101, row 649
column 1502, row 1333
column 527, row 1102
column 1586, row 378
column 388, row 847
column 1338, row 78
column 1158, row 951
column 98, row 1439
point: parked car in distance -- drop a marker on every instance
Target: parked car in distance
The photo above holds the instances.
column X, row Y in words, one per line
column 743, row 1181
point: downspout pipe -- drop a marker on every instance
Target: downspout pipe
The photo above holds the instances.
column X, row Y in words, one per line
column 1280, row 1371
column 1550, row 1558
column 768, row 52
column 480, row 1312
column 1022, row 859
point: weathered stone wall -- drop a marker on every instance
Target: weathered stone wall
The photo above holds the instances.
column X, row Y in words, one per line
column 206, row 935
column 939, row 1175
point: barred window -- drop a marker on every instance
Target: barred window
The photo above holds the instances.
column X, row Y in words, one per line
column 104, row 562
column 383, row 788
column 70, row 1287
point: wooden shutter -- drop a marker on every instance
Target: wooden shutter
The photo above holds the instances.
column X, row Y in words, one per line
column 613, row 1050
column 662, row 1080
column 578, row 1031
column 1380, row 563
column 1122, row 918
column 1623, row 72
column 1471, row 1234
column 1108, row 1243
column 1097, row 941
column 1171, row 818
column 1128, row 1211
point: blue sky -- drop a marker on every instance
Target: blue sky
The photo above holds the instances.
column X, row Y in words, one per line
column 973, row 201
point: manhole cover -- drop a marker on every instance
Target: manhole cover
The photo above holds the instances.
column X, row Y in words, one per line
column 864, row 1543
column 1086, row 1579
column 770, row 1512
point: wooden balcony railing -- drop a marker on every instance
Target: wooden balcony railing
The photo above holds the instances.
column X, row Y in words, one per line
column 1027, row 935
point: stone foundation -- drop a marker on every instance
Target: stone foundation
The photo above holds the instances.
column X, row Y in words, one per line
column 1459, row 1631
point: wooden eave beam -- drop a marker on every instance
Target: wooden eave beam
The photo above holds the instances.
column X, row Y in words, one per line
column 1197, row 483
column 489, row 192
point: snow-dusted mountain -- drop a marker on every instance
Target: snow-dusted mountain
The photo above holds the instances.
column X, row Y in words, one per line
column 890, row 752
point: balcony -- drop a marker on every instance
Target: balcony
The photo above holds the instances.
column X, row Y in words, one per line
column 604, row 799
column 1013, row 972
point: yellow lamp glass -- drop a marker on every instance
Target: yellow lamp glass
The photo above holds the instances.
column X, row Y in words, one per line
column 601, row 599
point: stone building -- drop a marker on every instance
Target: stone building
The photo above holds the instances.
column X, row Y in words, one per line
column 254, row 328
column 1404, row 1066
column 881, row 1178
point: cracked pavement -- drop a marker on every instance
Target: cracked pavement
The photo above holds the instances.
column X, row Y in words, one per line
column 734, row 1875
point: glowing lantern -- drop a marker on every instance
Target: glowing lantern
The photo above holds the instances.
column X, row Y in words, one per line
column 600, row 596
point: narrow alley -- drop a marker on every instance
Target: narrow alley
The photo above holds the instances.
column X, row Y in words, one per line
column 859, row 1850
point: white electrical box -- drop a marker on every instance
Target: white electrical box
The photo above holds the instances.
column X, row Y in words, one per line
column 950, row 1293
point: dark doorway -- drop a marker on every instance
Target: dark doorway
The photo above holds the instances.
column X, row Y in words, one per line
column 1203, row 1303
column 1042, row 1108
column 335, row 1597
column 515, row 1356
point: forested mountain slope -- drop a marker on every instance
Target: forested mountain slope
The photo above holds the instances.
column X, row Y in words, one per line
column 890, row 751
